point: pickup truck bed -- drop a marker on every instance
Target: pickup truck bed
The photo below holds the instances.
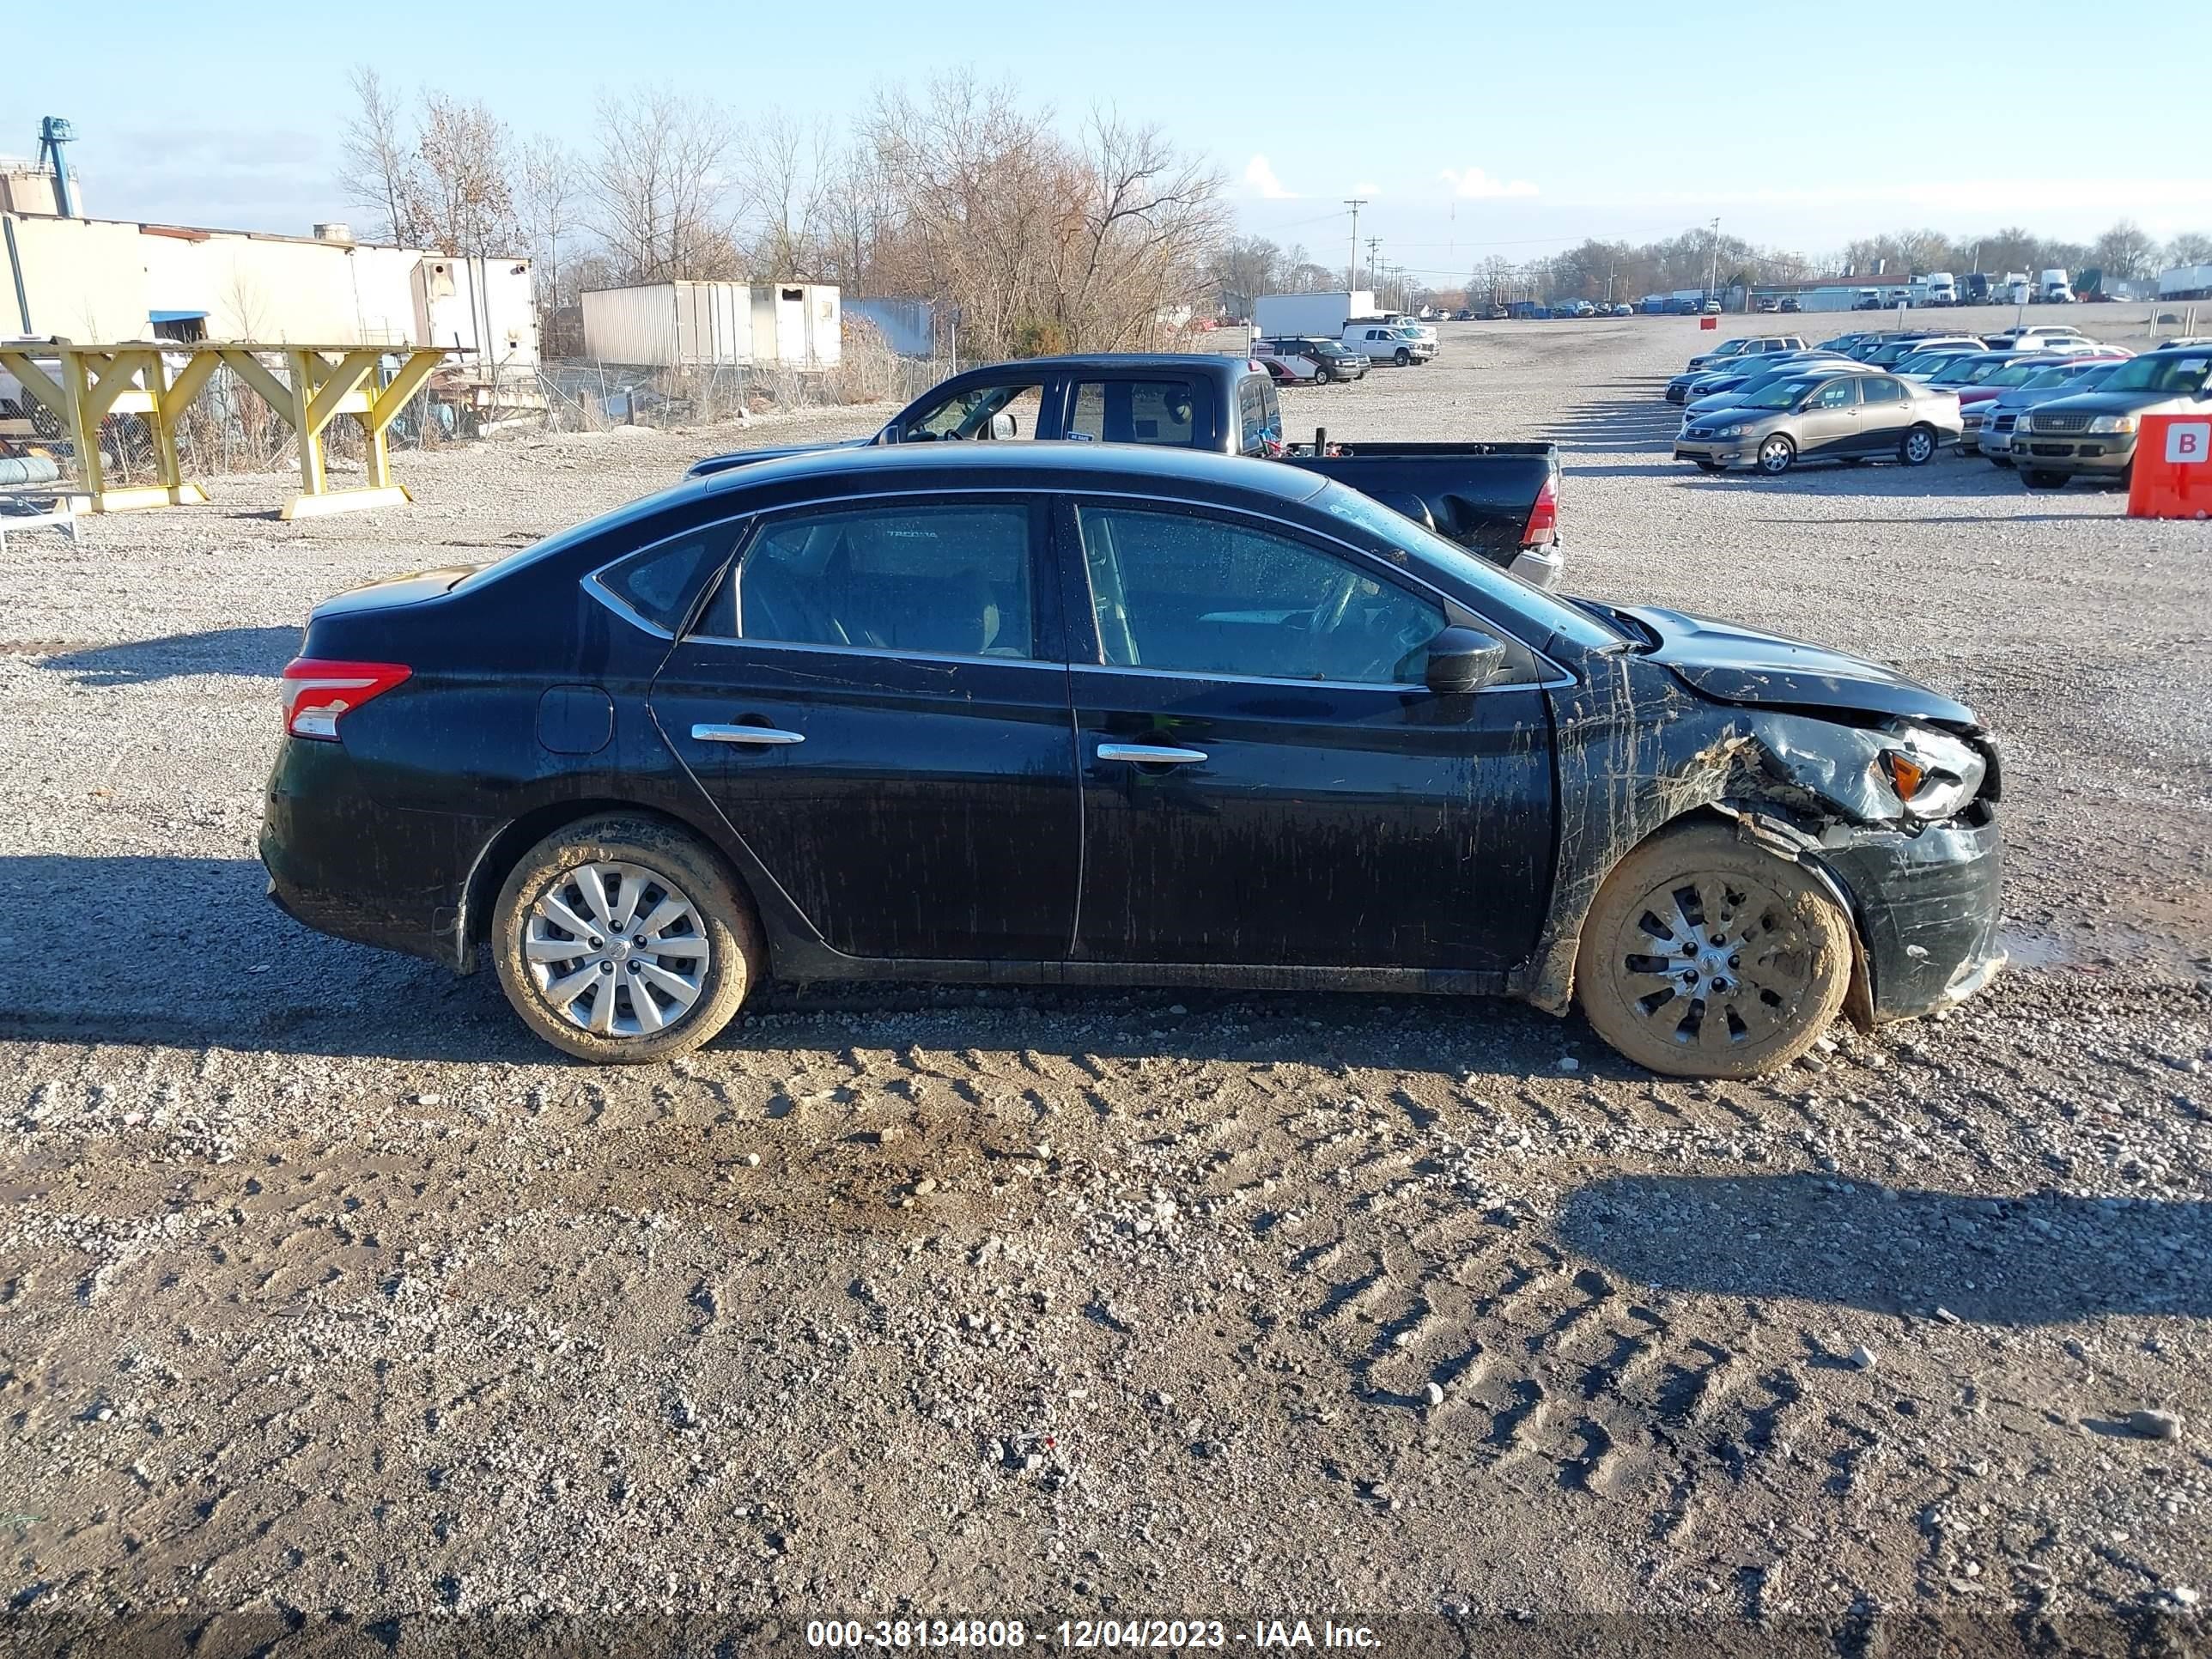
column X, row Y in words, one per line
column 1497, row 499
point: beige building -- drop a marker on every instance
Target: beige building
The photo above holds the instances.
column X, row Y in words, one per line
column 107, row 279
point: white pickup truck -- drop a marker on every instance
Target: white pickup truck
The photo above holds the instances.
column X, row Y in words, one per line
column 1386, row 342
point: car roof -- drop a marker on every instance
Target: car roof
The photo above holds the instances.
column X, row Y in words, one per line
column 1184, row 360
column 1022, row 467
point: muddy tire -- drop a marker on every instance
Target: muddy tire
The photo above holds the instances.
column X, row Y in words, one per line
column 622, row 940
column 1707, row 957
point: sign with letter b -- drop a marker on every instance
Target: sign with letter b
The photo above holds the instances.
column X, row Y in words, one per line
column 2172, row 475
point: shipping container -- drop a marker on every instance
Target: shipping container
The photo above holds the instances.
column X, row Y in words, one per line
column 706, row 325
column 1320, row 316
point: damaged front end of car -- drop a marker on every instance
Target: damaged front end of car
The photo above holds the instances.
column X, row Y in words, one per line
column 1892, row 808
column 1898, row 817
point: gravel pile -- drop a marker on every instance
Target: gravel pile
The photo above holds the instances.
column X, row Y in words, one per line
column 322, row 1288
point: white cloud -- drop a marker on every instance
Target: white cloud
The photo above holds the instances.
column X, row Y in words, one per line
column 1261, row 178
column 1476, row 184
column 1367, row 187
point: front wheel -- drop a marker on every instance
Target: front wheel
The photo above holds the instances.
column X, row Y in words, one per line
column 1776, row 456
column 1705, row 465
column 623, row 938
column 1402, row 356
column 1917, row 446
column 2036, row 478
column 1323, row 375
column 1706, row 957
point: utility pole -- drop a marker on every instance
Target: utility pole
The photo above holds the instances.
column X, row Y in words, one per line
column 1374, row 261
column 1713, row 264
column 1352, row 269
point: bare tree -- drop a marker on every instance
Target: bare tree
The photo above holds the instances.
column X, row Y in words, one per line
column 462, row 197
column 549, row 194
column 660, row 186
column 376, row 163
column 2126, row 250
column 2192, row 247
column 784, row 164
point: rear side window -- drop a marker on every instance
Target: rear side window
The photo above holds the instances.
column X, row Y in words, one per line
column 1137, row 411
column 940, row 581
column 1876, row 390
column 658, row 583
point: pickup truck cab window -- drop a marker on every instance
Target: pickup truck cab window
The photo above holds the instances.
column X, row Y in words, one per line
column 1008, row 410
column 1187, row 592
column 931, row 581
column 1135, row 411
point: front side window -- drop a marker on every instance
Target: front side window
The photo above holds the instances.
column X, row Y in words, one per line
column 1137, row 411
column 1010, row 410
column 1837, row 394
column 1192, row 594
column 936, row 580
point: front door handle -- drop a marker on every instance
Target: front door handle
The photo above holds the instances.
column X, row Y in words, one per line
column 1150, row 754
column 767, row 735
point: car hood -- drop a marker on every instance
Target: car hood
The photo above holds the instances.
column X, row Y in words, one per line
column 748, row 457
column 2119, row 402
column 1730, row 663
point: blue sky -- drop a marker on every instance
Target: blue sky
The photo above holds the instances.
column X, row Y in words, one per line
column 1513, row 130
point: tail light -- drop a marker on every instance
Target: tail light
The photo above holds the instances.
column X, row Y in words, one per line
column 319, row 692
column 1543, row 524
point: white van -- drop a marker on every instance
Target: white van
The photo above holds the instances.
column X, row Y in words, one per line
column 1386, row 342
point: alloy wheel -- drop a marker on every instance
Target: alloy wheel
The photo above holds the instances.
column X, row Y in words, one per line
column 1775, row 454
column 615, row 949
column 1919, row 446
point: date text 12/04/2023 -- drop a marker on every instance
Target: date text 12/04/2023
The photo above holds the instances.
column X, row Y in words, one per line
column 1086, row 1634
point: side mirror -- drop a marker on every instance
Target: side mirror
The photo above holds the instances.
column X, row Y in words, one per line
column 1003, row 425
column 1462, row 659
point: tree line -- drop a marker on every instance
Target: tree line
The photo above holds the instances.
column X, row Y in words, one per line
column 1030, row 239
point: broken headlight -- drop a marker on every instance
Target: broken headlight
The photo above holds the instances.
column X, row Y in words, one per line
column 1932, row 773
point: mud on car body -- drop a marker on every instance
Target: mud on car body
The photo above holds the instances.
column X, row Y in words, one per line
column 1083, row 715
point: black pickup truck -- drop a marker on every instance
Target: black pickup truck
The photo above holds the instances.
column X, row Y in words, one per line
column 1500, row 499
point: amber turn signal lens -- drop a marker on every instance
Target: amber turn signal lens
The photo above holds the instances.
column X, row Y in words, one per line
column 1906, row 774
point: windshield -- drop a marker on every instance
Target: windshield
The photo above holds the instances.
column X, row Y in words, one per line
column 2179, row 373
column 2020, row 374
column 1964, row 371
column 1541, row 615
column 1781, row 394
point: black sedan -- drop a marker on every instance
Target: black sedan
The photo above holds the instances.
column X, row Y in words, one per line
column 1108, row 716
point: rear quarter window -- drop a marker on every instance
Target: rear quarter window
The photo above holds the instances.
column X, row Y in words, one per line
column 658, row 583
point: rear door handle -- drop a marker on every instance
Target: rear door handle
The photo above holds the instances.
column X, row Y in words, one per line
column 1150, row 754
column 767, row 735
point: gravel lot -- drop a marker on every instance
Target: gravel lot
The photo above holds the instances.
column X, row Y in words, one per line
column 324, row 1291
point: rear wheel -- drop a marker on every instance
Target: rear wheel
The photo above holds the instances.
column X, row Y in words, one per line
column 1776, row 456
column 1704, row 956
column 623, row 938
column 1917, row 446
column 2036, row 477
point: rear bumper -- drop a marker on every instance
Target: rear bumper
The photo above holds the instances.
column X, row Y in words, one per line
column 1539, row 566
column 1928, row 907
column 344, row 861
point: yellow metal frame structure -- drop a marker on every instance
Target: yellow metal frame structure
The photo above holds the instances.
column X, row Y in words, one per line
column 321, row 383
